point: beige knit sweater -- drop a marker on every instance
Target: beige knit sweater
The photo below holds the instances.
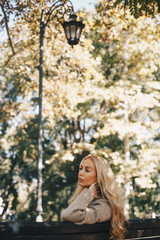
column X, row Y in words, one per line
column 87, row 210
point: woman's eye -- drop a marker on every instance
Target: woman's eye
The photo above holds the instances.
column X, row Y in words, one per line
column 80, row 168
column 87, row 170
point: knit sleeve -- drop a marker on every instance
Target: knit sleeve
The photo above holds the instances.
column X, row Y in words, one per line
column 85, row 210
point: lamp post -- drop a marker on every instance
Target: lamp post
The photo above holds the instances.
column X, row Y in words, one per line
column 73, row 28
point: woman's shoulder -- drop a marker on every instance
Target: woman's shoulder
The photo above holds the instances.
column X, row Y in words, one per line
column 102, row 209
column 99, row 201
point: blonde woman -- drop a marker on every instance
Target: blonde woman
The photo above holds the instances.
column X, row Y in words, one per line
column 97, row 198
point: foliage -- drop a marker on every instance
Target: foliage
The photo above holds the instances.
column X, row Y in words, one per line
column 126, row 47
column 19, row 87
column 138, row 7
column 100, row 97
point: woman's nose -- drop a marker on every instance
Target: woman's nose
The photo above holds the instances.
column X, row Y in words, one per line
column 81, row 173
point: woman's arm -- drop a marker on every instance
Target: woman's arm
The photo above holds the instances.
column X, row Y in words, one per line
column 83, row 210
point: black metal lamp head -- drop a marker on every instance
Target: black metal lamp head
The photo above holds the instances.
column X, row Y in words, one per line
column 73, row 29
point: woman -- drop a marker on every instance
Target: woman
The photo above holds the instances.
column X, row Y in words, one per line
column 97, row 198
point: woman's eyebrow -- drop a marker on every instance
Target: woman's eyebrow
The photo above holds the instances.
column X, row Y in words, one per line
column 88, row 167
column 85, row 166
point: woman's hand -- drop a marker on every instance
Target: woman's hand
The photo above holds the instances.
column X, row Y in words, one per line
column 94, row 188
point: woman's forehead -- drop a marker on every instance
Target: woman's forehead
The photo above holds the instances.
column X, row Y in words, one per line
column 87, row 162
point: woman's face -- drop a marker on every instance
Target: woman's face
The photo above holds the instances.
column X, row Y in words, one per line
column 87, row 173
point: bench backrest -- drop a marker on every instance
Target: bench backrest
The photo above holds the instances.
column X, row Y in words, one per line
column 136, row 229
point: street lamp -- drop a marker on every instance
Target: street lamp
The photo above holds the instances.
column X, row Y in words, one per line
column 60, row 10
column 73, row 30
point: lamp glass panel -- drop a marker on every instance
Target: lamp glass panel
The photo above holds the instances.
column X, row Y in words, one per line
column 67, row 32
column 73, row 31
column 78, row 33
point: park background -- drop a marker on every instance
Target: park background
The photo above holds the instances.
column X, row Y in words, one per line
column 100, row 97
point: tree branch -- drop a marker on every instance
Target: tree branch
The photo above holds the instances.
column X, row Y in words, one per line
column 7, row 28
column 4, row 210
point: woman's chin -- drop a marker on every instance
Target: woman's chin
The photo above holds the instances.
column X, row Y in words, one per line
column 80, row 184
column 83, row 185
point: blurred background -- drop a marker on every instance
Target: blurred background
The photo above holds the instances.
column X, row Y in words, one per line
column 102, row 96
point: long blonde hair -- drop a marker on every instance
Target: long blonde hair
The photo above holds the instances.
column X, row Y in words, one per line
column 110, row 191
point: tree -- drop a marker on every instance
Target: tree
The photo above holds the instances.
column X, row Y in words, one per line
column 19, row 85
column 129, row 72
column 100, row 97
column 138, row 7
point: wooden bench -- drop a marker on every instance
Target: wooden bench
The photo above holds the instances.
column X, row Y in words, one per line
column 136, row 229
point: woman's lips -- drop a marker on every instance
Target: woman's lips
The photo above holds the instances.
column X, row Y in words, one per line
column 80, row 180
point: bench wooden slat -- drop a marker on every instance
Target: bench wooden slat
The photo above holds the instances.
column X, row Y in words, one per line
column 143, row 233
column 145, row 238
column 66, row 237
column 48, row 228
column 143, row 224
